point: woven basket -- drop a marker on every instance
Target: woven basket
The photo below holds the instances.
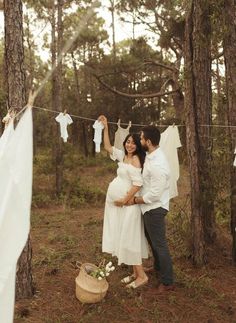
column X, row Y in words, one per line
column 89, row 289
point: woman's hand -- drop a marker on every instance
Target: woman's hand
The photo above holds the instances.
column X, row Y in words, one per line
column 120, row 202
column 130, row 201
column 103, row 120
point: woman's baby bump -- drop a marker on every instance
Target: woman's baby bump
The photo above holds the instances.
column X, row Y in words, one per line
column 117, row 189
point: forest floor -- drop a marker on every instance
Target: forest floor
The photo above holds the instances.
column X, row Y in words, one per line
column 62, row 236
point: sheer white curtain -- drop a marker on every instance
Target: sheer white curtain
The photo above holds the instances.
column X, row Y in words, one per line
column 16, row 155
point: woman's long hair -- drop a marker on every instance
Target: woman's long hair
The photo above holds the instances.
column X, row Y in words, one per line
column 139, row 150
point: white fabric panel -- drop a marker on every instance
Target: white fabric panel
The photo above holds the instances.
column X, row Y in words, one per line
column 15, row 202
column 169, row 143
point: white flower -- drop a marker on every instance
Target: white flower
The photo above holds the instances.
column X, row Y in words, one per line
column 99, row 278
column 109, row 264
column 107, row 274
column 112, row 268
column 102, row 273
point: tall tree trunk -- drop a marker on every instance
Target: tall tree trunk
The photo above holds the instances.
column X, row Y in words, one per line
column 79, row 102
column 230, row 65
column 14, row 54
column 198, row 109
column 112, row 8
column 15, row 80
column 59, row 148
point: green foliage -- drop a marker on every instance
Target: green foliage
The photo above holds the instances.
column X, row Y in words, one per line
column 181, row 228
column 79, row 194
column 41, row 200
column 43, row 162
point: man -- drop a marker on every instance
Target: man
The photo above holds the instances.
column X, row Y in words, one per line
column 154, row 203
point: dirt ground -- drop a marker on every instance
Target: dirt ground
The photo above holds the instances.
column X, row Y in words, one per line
column 62, row 237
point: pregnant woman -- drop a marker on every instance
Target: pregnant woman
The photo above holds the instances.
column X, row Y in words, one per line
column 123, row 231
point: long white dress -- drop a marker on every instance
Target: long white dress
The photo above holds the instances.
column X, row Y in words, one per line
column 123, row 230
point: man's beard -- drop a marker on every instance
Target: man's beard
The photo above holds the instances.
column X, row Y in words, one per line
column 145, row 147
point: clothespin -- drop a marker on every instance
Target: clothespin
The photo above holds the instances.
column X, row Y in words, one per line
column 173, row 125
column 65, row 111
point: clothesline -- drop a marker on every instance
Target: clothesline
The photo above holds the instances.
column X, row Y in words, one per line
column 136, row 124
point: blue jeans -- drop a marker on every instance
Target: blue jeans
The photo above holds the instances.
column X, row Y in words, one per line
column 154, row 223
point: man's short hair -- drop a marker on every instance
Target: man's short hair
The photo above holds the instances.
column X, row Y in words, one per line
column 152, row 133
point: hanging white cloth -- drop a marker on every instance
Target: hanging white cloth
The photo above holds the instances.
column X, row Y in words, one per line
column 120, row 135
column 235, row 157
column 15, row 202
column 98, row 127
column 64, row 120
column 169, row 143
column 8, row 118
column 7, row 133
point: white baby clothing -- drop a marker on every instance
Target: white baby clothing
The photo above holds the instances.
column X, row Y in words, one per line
column 98, row 127
column 120, row 135
column 169, row 144
column 64, row 120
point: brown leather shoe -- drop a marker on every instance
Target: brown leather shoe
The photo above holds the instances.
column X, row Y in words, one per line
column 165, row 288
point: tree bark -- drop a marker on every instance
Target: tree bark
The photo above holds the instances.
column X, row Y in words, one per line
column 198, row 111
column 112, row 8
column 230, row 72
column 15, row 80
column 59, row 148
column 14, row 54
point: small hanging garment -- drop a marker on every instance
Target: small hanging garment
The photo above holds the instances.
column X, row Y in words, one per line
column 64, row 120
column 169, row 143
column 16, row 166
column 98, row 127
column 120, row 135
column 235, row 157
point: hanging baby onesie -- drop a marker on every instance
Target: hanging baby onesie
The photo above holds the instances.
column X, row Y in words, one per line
column 64, row 120
column 235, row 157
column 15, row 201
column 98, row 127
column 120, row 135
column 169, row 143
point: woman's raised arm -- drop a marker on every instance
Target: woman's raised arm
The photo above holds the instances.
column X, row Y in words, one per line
column 106, row 139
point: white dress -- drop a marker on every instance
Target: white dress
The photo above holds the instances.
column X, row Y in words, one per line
column 123, row 230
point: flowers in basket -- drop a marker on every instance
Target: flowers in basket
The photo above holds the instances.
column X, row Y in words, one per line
column 102, row 271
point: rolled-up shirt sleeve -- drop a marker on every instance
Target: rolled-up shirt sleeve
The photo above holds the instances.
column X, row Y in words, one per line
column 158, row 182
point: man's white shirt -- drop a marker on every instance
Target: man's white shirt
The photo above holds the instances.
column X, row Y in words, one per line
column 156, row 181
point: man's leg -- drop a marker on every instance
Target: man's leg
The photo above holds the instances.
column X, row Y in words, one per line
column 154, row 221
column 155, row 255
